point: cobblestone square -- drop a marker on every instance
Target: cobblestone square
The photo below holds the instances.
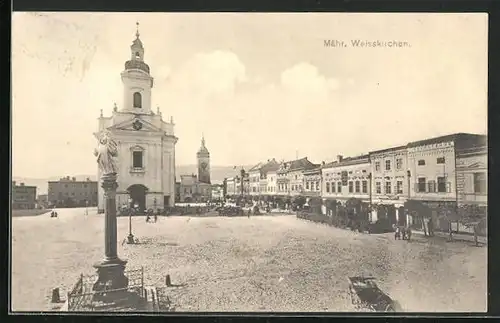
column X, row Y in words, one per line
column 262, row 263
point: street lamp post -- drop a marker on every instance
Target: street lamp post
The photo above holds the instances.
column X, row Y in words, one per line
column 130, row 237
column 154, row 204
column 86, row 207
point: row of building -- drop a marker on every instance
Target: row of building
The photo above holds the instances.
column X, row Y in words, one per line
column 66, row 192
column 442, row 172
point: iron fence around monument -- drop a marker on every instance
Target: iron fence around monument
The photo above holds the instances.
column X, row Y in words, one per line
column 81, row 296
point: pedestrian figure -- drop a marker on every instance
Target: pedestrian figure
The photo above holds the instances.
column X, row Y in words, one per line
column 397, row 233
column 431, row 227
column 249, row 212
column 408, row 233
column 147, row 217
column 156, row 217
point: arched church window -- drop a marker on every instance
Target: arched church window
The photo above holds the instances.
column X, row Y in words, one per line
column 137, row 100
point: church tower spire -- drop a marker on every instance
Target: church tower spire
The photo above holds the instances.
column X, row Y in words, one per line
column 203, row 162
column 136, row 78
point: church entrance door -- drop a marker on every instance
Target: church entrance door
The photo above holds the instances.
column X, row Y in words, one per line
column 138, row 195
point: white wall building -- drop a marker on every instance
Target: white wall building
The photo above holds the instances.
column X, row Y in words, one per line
column 146, row 143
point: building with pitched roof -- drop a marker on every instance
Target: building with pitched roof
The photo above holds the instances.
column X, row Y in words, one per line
column 290, row 177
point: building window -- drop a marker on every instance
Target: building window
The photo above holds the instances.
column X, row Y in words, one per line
column 441, row 184
column 307, row 185
column 378, row 188
column 387, row 165
column 365, row 186
column 317, row 186
column 377, row 166
column 387, row 187
column 421, row 185
column 339, row 187
column 399, row 187
column 421, row 162
column 350, row 187
column 440, row 160
column 356, row 186
column 137, row 100
column 333, row 187
column 137, row 159
column 328, row 187
column 480, row 182
column 399, row 163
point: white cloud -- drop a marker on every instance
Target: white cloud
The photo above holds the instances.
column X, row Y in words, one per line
column 303, row 79
column 206, row 74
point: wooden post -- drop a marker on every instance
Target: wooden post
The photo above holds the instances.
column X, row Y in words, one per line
column 55, row 296
column 167, row 281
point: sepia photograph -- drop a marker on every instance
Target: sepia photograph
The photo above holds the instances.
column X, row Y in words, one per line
column 249, row 162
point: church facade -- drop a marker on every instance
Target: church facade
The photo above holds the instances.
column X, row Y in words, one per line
column 146, row 142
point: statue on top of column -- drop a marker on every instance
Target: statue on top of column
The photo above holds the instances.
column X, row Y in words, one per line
column 106, row 153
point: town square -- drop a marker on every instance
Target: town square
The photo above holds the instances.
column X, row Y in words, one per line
column 235, row 175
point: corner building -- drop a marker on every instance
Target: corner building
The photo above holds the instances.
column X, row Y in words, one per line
column 146, row 143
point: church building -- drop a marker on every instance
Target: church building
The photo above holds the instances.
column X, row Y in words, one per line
column 197, row 188
column 146, row 142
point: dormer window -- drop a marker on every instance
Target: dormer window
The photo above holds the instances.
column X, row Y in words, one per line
column 137, row 100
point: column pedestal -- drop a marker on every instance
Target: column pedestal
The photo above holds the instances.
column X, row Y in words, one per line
column 110, row 271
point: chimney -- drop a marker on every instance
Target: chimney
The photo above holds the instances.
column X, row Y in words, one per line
column 67, row 177
column 339, row 158
column 74, row 179
column 14, row 183
column 22, row 184
column 323, row 163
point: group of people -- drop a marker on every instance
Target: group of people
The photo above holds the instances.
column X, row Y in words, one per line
column 402, row 232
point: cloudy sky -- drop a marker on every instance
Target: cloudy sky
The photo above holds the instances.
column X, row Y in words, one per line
column 257, row 85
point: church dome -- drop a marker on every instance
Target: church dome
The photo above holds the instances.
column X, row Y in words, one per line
column 137, row 65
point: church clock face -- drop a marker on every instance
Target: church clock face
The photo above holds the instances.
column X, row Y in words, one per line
column 204, row 165
column 137, row 125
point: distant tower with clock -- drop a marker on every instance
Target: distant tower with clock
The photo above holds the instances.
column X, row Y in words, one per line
column 146, row 142
column 203, row 157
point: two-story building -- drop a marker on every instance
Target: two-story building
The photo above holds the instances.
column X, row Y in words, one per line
column 70, row 192
column 194, row 191
column 282, row 180
column 23, row 196
column 390, row 185
column 432, row 167
column 271, row 181
column 231, row 185
column 254, row 179
column 296, row 174
column 268, row 173
column 346, row 179
column 312, row 183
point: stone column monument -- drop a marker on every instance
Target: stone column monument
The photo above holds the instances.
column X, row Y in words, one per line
column 111, row 269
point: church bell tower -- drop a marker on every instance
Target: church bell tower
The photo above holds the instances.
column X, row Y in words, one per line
column 137, row 81
column 203, row 163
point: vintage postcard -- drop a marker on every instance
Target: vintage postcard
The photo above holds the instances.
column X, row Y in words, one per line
column 249, row 162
